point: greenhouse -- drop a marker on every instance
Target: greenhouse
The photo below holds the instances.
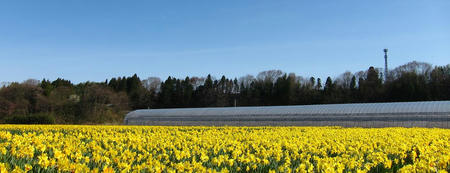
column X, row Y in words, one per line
column 407, row 114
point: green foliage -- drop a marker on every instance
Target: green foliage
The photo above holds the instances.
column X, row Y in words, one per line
column 40, row 118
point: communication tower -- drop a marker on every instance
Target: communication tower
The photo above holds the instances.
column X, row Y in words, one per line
column 385, row 64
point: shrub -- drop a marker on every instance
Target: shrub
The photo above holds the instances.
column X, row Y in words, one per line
column 40, row 118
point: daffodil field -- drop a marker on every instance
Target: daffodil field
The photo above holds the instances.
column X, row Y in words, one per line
column 60, row 148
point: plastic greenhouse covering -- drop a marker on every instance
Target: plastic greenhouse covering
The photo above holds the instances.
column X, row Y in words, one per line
column 437, row 111
column 332, row 109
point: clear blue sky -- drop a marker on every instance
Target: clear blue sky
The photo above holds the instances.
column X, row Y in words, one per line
column 83, row 40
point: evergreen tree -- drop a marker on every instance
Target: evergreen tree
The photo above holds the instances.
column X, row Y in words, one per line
column 329, row 86
column 319, row 84
column 370, row 88
column 47, row 86
column 353, row 84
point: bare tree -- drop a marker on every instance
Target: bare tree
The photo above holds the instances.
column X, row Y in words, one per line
column 246, row 80
column 32, row 82
column 269, row 76
column 360, row 75
column 420, row 68
column 308, row 82
column 152, row 83
column 5, row 84
column 299, row 80
column 197, row 81
column 344, row 79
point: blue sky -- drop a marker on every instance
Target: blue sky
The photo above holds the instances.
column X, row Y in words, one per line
column 83, row 40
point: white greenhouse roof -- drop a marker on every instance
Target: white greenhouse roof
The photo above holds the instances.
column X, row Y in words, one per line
column 393, row 108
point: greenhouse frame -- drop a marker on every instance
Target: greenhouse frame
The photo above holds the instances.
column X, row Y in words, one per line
column 404, row 114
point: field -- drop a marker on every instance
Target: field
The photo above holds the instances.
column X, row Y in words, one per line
column 58, row 148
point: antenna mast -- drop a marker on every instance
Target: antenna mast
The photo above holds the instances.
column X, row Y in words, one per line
column 385, row 64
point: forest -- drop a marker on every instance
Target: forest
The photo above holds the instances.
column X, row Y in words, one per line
column 63, row 102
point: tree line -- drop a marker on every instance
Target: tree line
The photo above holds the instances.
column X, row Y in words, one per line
column 61, row 101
